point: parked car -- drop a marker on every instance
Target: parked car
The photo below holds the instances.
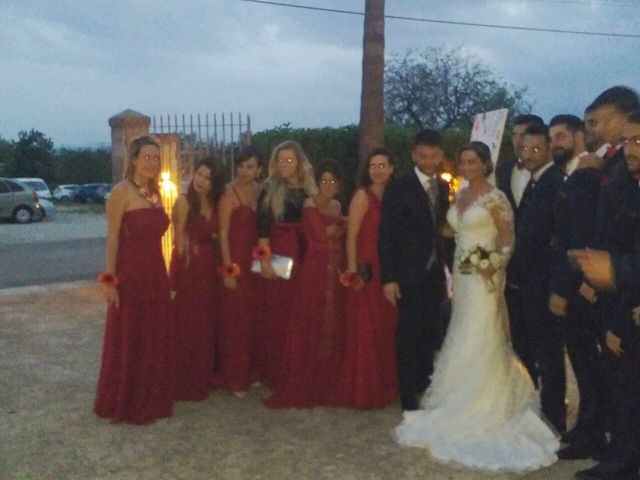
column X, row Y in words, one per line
column 17, row 202
column 37, row 185
column 92, row 192
column 66, row 192
column 47, row 210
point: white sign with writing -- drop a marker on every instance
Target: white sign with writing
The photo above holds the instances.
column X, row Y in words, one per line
column 488, row 128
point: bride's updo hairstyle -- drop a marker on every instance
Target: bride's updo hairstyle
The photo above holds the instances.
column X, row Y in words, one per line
column 482, row 150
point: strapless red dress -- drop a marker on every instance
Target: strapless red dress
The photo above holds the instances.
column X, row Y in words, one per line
column 136, row 382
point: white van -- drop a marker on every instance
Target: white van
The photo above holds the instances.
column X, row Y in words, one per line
column 37, row 185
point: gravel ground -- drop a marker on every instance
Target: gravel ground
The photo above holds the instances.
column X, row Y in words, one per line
column 50, row 345
column 70, row 222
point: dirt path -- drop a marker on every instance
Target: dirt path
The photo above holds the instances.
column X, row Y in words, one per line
column 50, row 345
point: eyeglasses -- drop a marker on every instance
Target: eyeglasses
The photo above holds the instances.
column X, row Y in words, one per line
column 534, row 149
column 285, row 160
column 635, row 141
column 151, row 157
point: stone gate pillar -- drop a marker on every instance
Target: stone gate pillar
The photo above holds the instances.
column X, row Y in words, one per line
column 125, row 127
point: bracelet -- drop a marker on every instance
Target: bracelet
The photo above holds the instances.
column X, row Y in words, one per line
column 229, row 271
column 261, row 252
column 108, row 279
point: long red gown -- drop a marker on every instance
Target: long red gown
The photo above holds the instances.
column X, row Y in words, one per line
column 136, row 382
column 194, row 280
column 286, row 237
column 236, row 362
column 315, row 340
column 369, row 378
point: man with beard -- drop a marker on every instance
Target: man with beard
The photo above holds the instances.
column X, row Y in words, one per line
column 615, row 271
column 574, row 218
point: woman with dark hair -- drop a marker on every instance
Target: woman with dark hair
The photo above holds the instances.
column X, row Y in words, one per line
column 193, row 278
column 315, row 341
column 280, row 232
column 369, row 378
column 136, row 376
column 481, row 409
column 236, row 364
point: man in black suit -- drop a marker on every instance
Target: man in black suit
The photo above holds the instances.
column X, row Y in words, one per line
column 411, row 263
column 529, row 269
column 615, row 271
column 512, row 178
column 574, row 225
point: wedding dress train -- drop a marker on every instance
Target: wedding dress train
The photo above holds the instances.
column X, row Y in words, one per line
column 481, row 409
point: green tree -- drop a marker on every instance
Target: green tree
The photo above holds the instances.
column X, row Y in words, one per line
column 82, row 165
column 7, row 161
column 33, row 155
column 443, row 89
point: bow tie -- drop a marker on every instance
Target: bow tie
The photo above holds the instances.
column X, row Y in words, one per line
column 519, row 164
column 611, row 152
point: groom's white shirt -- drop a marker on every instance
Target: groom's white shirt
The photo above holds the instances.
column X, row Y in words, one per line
column 424, row 179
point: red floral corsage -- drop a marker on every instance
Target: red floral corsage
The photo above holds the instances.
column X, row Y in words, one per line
column 350, row 279
column 108, row 279
column 229, row 271
column 261, row 252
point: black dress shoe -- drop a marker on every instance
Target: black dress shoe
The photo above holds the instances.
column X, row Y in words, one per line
column 609, row 471
column 572, row 435
column 582, row 448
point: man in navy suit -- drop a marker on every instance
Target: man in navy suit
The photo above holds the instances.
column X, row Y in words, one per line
column 512, row 178
column 615, row 272
column 574, row 225
column 530, row 269
column 412, row 260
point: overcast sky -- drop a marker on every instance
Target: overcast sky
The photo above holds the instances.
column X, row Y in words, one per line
column 67, row 66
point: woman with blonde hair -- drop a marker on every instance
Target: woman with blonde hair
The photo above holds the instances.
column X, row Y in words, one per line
column 289, row 184
column 136, row 381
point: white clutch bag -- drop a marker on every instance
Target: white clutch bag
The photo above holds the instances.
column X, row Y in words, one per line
column 281, row 265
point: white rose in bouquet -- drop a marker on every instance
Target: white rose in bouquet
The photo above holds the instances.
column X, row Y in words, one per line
column 474, row 259
column 484, row 264
column 496, row 259
column 495, row 278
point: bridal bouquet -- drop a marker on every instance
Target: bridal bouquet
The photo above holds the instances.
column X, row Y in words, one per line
column 483, row 262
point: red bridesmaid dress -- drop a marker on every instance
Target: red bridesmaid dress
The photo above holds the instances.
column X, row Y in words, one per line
column 136, row 382
column 315, row 340
column 286, row 237
column 194, row 280
column 236, row 362
column 369, row 378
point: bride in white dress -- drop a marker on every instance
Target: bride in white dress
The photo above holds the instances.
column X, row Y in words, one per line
column 481, row 409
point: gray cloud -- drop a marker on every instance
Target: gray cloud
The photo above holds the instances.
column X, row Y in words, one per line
column 67, row 66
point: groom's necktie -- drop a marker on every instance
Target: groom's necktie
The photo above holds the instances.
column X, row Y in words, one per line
column 432, row 193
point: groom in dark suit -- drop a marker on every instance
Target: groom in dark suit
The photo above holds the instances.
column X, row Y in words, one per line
column 412, row 260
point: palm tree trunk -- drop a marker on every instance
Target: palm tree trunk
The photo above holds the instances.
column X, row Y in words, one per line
column 372, row 99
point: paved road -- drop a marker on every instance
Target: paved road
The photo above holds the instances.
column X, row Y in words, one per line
column 50, row 262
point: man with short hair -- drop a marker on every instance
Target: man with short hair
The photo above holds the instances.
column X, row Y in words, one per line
column 574, row 217
column 412, row 261
column 619, row 285
column 529, row 270
column 512, row 178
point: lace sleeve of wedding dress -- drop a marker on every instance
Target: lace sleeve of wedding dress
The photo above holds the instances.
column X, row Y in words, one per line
column 502, row 214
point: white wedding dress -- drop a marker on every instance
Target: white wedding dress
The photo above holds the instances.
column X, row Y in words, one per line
column 481, row 409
